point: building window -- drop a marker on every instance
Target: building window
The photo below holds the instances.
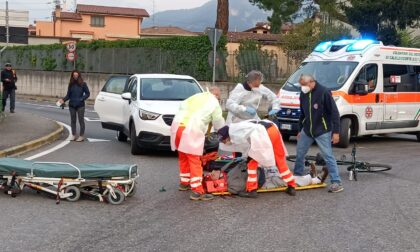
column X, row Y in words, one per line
column 98, row 21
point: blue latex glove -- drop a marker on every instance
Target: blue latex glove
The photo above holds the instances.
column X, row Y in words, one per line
column 273, row 112
column 238, row 159
column 251, row 111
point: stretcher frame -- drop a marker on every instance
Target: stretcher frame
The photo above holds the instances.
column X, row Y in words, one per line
column 278, row 189
column 113, row 189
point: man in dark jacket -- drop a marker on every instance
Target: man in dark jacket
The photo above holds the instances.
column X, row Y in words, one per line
column 8, row 77
column 319, row 122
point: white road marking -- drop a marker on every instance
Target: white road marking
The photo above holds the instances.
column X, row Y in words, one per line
column 57, row 147
column 50, row 106
column 87, row 119
column 94, row 140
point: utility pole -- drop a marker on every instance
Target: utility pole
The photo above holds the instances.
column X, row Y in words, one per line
column 7, row 23
column 7, row 28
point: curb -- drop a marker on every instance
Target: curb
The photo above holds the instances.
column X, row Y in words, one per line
column 34, row 144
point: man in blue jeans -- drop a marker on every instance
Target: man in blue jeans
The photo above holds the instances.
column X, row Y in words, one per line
column 320, row 122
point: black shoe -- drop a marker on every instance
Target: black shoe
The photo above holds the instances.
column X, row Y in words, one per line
column 12, row 111
column 198, row 196
column 252, row 194
column 291, row 191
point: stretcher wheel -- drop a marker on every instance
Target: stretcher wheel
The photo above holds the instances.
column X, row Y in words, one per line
column 133, row 191
column 118, row 199
column 75, row 191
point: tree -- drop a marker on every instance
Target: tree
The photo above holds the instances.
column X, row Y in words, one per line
column 282, row 11
column 305, row 36
column 382, row 18
column 222, row 21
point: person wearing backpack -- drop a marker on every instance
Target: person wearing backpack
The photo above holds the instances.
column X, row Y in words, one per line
column 263, row 144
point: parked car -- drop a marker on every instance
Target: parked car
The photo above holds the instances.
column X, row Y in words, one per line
column 143, row 106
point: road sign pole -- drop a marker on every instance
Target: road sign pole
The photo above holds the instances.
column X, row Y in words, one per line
column 214, row 56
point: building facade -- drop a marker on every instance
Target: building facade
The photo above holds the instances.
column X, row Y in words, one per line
column 18, row 27
column 92, row 22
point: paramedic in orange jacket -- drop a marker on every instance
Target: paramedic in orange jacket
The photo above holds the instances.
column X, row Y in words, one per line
column 263, row 143
column 188, row 135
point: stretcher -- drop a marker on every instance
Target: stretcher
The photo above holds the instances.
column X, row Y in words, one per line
column 106, row 182
column 278, row 189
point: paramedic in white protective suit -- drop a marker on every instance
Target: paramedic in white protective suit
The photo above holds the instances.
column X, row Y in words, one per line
column 245, row 98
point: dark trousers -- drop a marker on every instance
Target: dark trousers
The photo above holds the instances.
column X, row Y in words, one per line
column 80, row 113
column 6, row 94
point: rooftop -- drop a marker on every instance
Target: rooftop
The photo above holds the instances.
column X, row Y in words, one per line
column 166, row 30
column 106, row 10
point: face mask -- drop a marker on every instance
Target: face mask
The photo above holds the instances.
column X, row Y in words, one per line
column 305, row 89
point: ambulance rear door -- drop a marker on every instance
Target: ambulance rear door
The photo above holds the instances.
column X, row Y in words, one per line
column 401, row 96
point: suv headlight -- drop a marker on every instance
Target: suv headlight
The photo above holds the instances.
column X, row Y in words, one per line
column 146, row 115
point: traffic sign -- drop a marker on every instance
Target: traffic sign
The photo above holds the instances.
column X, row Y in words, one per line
column 71, row 47
column 214, row 35
column 71, row 56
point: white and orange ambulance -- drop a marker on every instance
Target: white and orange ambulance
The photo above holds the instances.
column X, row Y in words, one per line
column 376, row 88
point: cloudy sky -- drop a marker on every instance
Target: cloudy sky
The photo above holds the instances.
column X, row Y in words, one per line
column 41, row 9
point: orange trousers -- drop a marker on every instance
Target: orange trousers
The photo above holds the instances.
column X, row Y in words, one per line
column 280, row 158
column 190, row 169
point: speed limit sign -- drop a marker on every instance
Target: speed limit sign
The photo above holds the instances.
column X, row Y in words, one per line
column 71, row 47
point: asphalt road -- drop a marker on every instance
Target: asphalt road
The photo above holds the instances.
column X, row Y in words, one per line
column 380, row 212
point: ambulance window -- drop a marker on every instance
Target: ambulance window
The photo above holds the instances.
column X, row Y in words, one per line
column 399, row 78
column 368, row 74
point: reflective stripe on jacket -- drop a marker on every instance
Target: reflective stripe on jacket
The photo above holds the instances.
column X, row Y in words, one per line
column 195, row 114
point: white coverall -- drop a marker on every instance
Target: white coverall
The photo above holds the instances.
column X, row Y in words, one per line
column 242, row 96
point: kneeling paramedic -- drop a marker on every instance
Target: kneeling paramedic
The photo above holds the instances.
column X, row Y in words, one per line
column 188, row 135
column 263, row 144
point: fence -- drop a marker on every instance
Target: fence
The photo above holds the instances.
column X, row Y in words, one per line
column 229, row 67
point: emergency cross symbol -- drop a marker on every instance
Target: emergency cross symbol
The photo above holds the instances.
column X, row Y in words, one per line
column 368, row 112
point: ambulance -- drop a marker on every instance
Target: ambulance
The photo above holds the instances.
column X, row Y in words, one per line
column 376, row 88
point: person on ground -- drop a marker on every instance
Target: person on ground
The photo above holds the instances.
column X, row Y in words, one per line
column 319, row 122
column 9, row 79
column 77, row 93
column 262, row 143
column 195, row 117
column 273, row 179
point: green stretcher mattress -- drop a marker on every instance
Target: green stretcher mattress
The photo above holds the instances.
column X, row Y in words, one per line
column 58, row 170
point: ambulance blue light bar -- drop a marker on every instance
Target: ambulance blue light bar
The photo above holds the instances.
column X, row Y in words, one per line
column 361, row 45
column 344, row 42
column 323, row 46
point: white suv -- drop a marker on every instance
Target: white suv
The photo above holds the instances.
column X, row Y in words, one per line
column 143, row 107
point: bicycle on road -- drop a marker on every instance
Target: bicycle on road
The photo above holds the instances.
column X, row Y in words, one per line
column 353, row 166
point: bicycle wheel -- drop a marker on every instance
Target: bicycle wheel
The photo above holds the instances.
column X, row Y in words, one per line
column 371, row 167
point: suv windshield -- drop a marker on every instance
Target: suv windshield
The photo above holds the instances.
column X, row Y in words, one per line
column 330, row 74
column 168, row 89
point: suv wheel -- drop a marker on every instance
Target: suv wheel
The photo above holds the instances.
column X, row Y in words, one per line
column 135, row 148
column 121, row 136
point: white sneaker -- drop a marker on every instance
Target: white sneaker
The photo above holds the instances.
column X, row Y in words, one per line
column 73, row 138
column 80, row 139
